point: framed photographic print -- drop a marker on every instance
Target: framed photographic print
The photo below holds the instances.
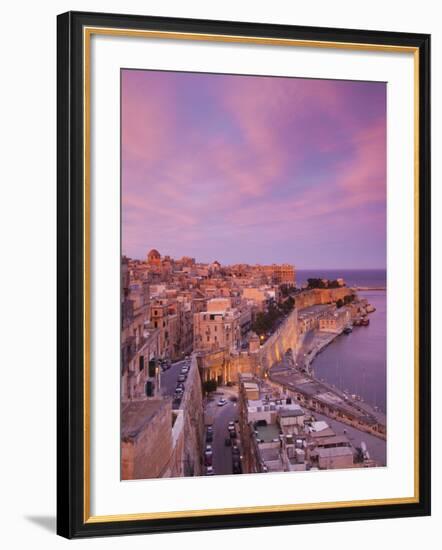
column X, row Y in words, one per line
column 243, row 274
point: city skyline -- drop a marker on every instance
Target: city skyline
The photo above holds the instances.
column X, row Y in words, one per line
column 246, row 169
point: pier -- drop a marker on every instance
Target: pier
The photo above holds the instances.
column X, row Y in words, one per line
column 365, row 288
column 323, row 398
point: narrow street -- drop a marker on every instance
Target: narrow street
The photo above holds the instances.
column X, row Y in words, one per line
column 169, row 378
column 222, row 454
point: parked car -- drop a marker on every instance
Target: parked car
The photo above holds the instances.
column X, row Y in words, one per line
column 235, row 450
column 181, row 378
column 231, row 425
column 208, row 458
column 227, row 442
column 232, row 434
column 236, row 467
column 208, row 448
column 222, row 402
column 210, row 471
column 209, row 437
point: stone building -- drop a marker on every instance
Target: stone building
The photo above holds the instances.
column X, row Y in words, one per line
column 164, row 317
column 160, row 438
column 153, row 257
column 217, row 328
column 146, row 438
column 280, row 274
column 335, row 321
column 139, row 367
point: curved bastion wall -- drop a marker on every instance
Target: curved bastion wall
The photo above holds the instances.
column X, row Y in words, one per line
column 283, row 339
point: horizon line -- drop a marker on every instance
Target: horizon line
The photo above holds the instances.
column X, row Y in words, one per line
column 276, row 263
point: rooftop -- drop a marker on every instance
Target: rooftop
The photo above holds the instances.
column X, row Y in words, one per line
column 267, row 433
column 333, row 452
column 290, row 412
column 135, row 415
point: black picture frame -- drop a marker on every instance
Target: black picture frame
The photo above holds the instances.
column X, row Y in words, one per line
column 71, row 520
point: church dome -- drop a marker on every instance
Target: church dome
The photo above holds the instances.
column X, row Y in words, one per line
column 154, row 255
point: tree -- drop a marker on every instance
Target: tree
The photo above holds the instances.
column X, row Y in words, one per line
column 210, row 386
column 288, row 305
column 315, row 283
column 339, row 303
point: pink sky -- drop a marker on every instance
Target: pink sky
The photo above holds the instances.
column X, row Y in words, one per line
column 254, row 169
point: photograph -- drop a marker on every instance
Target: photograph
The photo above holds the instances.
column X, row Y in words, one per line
column 253, row 274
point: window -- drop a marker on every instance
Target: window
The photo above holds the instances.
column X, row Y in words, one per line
column 141, row 362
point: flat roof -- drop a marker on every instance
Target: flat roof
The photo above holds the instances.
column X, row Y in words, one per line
column 287, row 413
column 319, row 425
column 270, row 454
column 267, row 433
column 135, row 415
column 334, row 452
column 328, row 432
column 334, row 440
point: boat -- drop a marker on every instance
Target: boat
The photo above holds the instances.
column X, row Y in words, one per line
column 347, row 330
column 365, row 322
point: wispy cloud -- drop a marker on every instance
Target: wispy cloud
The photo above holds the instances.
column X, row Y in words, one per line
column 254, row 168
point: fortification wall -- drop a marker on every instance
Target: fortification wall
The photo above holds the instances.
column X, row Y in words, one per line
column 190, row 446
column 321, row 296
column 282, row 340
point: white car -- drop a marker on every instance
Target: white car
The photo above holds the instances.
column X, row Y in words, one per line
column 209, row 471
column 222, row 402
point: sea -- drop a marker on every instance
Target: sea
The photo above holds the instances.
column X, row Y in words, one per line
column 356, row 363
column 353, row 277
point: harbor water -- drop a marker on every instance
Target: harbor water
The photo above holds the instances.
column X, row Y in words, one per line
column 356, row 363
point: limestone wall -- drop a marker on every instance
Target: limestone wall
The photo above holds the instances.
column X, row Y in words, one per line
column 283, row 339
column 321, row 296
column 193, row 423
column 143, row 456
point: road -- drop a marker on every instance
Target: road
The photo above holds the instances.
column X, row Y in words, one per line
column 377, row 447
column 169, row 378
column 222, row 455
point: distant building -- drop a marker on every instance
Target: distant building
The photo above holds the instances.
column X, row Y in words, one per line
column 335, row 321
column 277, row 434
column 214, row 330
column 281, row 274
column 154, row 257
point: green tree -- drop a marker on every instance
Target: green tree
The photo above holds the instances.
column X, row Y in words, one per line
column 210, row 386
column 315, row 283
